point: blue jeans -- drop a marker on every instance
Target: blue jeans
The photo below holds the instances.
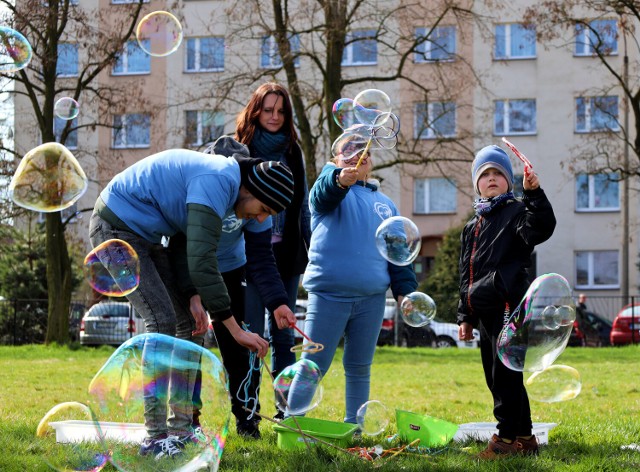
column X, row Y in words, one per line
column 165, row 311
column 359, row 322
column 281, row 340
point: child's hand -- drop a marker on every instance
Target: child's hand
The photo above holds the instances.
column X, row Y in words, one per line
column 465, row 332
column 348, row 176
column 530, row 179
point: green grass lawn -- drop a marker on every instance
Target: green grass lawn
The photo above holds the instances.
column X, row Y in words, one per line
column 446, row 383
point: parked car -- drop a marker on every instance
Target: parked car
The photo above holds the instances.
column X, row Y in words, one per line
column 590, row 329
column 438, row 334
column 387, row 331
column 626, row 326
column 110, row 323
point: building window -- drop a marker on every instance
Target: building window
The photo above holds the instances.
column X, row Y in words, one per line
column 204, row 127
column 434, row 195
column 67, row 65
column 361, row 48
column 597, row 192
column 440, row 45
column 131, row 131
column 435, row 120
column 205, row 54
column 597, row 114
column 129, row 1
column 514, row 117
column 597, row 269
column 515, row 41
column 133, row 59
column 72, row 138
column 270, row 54
column 599, row 36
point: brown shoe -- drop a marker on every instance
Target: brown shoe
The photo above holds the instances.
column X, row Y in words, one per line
column 497, row 449
column 528, row 447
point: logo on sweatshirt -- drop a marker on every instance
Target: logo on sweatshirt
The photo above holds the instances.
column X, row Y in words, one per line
column 231, row 223
column 383, row 210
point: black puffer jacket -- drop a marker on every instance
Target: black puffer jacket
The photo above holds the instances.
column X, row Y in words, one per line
column 496, row 254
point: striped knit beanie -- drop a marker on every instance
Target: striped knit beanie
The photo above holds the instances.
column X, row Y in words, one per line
column 271, row 182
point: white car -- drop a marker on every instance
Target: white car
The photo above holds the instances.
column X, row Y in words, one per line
column 438, row 334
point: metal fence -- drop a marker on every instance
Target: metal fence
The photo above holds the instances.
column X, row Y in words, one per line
column 25, row 321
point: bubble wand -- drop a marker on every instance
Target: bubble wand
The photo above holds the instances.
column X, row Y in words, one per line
column 364, row 153
column 522, row 157
column 311, row 346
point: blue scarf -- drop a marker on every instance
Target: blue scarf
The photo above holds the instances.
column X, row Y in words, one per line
column 270, row 146
column 483, row 206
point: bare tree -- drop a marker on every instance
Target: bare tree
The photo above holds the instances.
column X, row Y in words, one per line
column 102, row 35
column 606, row 30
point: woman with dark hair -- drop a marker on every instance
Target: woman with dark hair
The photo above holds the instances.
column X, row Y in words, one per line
column 266, row 127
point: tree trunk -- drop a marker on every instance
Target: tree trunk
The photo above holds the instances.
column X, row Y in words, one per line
column 58, row 280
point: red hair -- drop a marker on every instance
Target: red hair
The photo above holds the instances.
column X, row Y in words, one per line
column 247, row 120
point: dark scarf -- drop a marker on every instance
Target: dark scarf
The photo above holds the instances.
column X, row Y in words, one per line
column 270, row 146
column 483, row 206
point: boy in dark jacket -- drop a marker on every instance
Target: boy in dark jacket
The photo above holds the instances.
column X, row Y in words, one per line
column 496, row 248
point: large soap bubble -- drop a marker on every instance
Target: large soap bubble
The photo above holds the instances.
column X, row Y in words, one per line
column 556, row 383
column 112, row 268
column 372, row 107
column 154, row 378
column 398, row 240
column 305, row 377
column 159, row 33
column 15, row 50
column 342, row 111
column 68, row 436
column 417, row 309
column 48, row 179
column 66, row 108
column 539, row 328
column 372, row 417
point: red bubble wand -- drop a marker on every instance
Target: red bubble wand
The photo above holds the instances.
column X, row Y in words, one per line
column 311, row 346
column 527, row 163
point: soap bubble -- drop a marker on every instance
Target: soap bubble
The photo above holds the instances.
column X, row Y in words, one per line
column 177, row 380
column 349, row 144
column 342, row 111
column 69, row 439
column 112, row 268
column 539, row 328
column 556, row 383
column 372, row 106
column 66, row 108
column 15, row 50
column 159, row 33
column 398, row 240
column 417, row 309
column 305, row 377
column 48, row 179
column 372, row 417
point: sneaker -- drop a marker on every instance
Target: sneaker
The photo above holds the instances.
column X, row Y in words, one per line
column 159, row 448
column 528, row 447
column 279, row 416
column 195, row 435
column 248, row 429
column 497, row 448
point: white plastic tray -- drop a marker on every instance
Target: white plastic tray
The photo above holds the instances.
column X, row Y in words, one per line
column 484, row 431
column 73, row 431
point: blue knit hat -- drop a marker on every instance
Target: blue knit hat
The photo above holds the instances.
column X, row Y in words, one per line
column 487, row 157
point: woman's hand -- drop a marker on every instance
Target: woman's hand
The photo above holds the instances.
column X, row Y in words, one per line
column 348, row 176
column 199, row 315
column 284, row 317
column 465, row 332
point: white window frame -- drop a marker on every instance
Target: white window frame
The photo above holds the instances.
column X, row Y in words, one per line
column 507, row 110
column 123, row 129
column 423, row 206
column 593, row 266
column 594, row 189
column 197, row 41
column 584, row 46
column 218, row 119
column 584, row 120
column 424, row 125
column 432, row 46
column 74, row 46
column 122, row 2
column 270, row 53
column 124, row 57
column 358, row 38
column 508, row 41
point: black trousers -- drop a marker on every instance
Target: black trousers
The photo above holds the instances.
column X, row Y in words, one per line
column 510, row 401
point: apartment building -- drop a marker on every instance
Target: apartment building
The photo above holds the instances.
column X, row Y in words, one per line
column 486, row 79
